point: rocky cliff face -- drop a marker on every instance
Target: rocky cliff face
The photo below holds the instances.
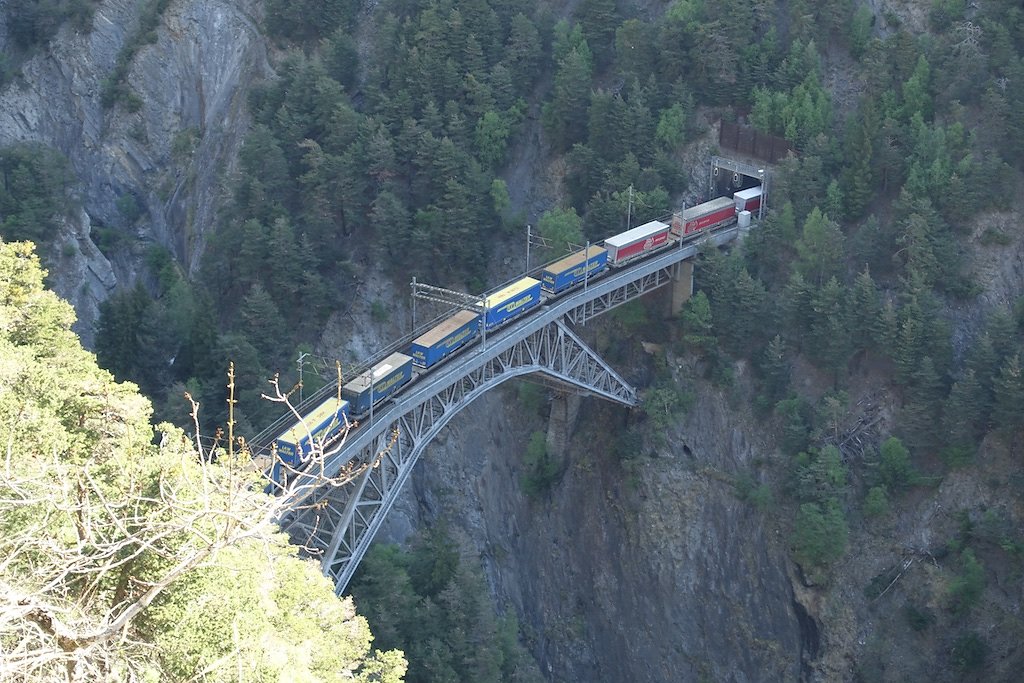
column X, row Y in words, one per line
column 650, row 573
column 170, row 155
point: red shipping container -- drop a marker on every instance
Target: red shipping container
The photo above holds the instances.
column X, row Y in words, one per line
column 704, row 215
column 637, row 241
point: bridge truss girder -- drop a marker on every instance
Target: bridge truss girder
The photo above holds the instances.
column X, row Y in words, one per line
column 622, row 294
column 337, row 523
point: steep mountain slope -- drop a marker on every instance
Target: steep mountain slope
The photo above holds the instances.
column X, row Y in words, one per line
column 163, row 153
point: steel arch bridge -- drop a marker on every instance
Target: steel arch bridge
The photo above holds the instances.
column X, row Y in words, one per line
column 337, row 521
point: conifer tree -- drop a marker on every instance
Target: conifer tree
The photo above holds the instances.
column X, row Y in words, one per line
column 819, row 248
column 865, row 309
column 696, row 322
column 964, row 413
column 922, row 407
column 775, row 366
column 797, row 308
column 829, row 336
column 1008, row 396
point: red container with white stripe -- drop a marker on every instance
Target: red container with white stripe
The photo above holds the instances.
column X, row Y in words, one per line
column 636, row 242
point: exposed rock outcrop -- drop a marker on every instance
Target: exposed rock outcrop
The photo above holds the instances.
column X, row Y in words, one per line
column 171, row 154
column 651, row 573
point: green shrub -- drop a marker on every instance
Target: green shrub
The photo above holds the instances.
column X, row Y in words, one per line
column 966, row 588
column 379, row 312
column 819, row 535
column 532, row 397
column 750, row 491
column 895, row 470
column 540, row 470
column 969, row 652
column 919, row 618
column 876, row 503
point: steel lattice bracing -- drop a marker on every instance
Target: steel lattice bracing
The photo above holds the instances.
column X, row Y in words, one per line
column 340, row 521
column 337, row 523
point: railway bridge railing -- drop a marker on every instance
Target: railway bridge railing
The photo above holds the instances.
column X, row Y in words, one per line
column 337, row 522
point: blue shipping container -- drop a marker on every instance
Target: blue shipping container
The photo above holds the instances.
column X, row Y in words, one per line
column 571, row 270
column 323, row 424
column 386, row 377
column 448, row 336
column 508, row 302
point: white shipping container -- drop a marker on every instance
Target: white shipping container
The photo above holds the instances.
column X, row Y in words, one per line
column 744, row 197
column 638, row 234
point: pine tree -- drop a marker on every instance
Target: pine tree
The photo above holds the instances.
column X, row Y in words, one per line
column 964, row 413
column 696, row 323
column 829, row 335
column 262, row 321
column 523, row 51
column 776, row 368
column 1008, row 396
column 865, row 309
column 744, row 324
column 564, row 116
column 922, row 407
column 599, row 19
column 797, row 309
column 917, row 97
column 885, row 332
column 820, row 248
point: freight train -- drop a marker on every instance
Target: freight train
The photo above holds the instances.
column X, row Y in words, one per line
column 336, row 414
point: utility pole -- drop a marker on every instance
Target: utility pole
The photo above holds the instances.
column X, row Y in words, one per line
column 586, row 274
column 300, row 363
column 764, row 193
column 629, row 210
column 413, row 286
column 528, row 247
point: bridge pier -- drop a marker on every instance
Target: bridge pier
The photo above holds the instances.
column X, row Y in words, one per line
column 682, row 286
column 565, row 409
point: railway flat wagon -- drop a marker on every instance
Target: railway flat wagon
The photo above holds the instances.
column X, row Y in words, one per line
column 749, row 199
column 636, row 242
column 510, row 301
column 377, row 383
column 701, row 216
column 573, row 268
column 433, row 345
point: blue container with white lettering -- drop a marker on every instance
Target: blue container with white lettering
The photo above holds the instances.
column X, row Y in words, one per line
column 377, row 383
column 510, row 301
column 574, row 269
column 447, row 337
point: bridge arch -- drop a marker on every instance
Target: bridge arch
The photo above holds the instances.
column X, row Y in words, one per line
column 339, row 522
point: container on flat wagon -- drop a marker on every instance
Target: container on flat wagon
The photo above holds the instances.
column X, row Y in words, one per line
column 749, row 199
column 704, row 216
column 637, row 241
column 510, row 301
column 318, row 427
column 433, row 345
column 377, row 383
column 574, row 268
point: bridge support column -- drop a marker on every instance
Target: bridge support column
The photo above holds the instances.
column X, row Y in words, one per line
column 565, row 408
column 682, row 286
